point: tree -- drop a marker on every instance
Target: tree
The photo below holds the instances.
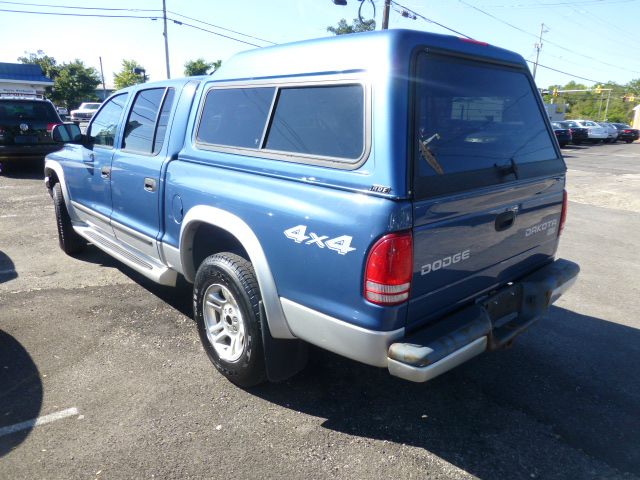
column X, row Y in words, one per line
column 74, row 84
column 201, row 67
column 48, row 64
column 357, row 26
column 126, row 77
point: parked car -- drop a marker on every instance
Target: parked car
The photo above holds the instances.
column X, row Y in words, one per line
column 26, row 123
column 578, row 134
column 596, row 133
column 612, row 131
column 626, row 133
column 563, row 133
column 85, row 112
column 402, row 209
column 63, row 112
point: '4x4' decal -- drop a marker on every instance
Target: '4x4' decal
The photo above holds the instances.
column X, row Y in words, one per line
column 341, row 244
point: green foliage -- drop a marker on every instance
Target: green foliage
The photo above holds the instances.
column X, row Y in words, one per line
column 592, row 105
column 357, row 26
column 48, row 64
column 74, row 84
column 200, row 67
column 125, row 77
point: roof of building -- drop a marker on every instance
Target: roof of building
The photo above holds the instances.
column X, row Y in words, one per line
column 28, row 73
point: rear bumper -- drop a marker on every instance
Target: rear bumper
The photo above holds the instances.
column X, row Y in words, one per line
column 487, row 325
column 16, row 153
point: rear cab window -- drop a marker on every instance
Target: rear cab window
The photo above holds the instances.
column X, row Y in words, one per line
column 475, row 123
column 21, row 110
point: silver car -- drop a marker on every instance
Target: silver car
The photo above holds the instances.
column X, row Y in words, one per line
column 612, row 131
column 596, row 132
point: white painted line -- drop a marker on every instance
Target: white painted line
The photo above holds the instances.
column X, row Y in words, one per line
column 52, row 417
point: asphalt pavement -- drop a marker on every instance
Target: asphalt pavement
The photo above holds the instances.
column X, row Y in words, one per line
column 111, row 367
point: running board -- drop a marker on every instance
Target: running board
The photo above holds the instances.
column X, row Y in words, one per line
column 142, row 264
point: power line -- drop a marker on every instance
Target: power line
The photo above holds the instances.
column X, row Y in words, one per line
column 95, row 15
column 221, row 28
column 430, row 20
column 83, row 8
column 548, row 41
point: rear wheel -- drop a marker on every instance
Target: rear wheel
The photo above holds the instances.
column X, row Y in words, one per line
column 226, row 304
column 70, row 242
column 628, row 141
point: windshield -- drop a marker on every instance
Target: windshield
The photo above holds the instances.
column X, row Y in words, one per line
column 90, row 106
column 476, row 124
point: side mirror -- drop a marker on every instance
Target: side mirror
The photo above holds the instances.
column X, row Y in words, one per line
column 67, row 133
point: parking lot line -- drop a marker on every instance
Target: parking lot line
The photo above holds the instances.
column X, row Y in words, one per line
column 52, row 417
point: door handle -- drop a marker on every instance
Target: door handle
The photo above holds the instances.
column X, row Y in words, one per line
column 150, row 184
column 505, row 220
column 105, row 172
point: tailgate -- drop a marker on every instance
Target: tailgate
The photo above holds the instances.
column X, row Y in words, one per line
column 488, row 181
column 476, row 242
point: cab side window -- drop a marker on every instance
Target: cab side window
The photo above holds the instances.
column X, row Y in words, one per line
column 105, row 123
column 145, row 128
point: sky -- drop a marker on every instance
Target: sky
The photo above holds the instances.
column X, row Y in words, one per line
column 598, row 40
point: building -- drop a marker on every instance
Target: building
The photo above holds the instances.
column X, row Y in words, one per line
column 23, row 78
column 636, row 117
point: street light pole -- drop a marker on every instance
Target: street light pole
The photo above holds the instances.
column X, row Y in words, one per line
column 166, row 37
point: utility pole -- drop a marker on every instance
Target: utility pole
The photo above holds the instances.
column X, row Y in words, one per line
column 606, row 110
column 104, row 87
column 538, row 48
column 385, row 14
column 166, row 37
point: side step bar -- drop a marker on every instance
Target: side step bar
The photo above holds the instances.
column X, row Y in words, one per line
column 142, row 264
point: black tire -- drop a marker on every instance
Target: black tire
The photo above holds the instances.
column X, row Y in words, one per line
column 70, row 242
column 628, row 141
column 228, row 281
column 577, row 142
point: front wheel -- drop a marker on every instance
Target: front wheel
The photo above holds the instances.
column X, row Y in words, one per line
column 226, row 305
column 70, row 242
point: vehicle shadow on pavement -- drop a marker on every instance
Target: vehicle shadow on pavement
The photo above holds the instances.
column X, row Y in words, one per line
column 567, row 389
column 7, row 268
column 21, row 392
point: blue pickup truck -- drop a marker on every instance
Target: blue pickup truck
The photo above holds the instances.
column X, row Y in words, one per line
column 394, row 197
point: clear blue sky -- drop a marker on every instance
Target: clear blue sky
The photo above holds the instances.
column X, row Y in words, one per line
column 596, row 39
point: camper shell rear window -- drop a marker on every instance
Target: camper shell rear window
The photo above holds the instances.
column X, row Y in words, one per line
column 476, row 124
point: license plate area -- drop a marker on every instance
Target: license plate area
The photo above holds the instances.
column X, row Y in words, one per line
column 504, row 305
column 26, row 139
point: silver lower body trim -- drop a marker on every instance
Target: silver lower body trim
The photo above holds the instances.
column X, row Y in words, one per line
column 422, row 374
column 351, row 341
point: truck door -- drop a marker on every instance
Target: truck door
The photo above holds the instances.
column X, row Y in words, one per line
column 88, row 176
column 135, row 172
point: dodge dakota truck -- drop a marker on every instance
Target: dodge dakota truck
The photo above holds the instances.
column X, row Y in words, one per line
column 395, row 197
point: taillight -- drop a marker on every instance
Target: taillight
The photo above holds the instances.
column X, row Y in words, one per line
column 627, row 131
column 51, row 125
column 563, row 215
column 389, row 269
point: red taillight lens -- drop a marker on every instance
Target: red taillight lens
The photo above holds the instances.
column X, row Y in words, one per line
column 389, row 269
column 51, row 125
column 563, row 215
column 627, row 131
